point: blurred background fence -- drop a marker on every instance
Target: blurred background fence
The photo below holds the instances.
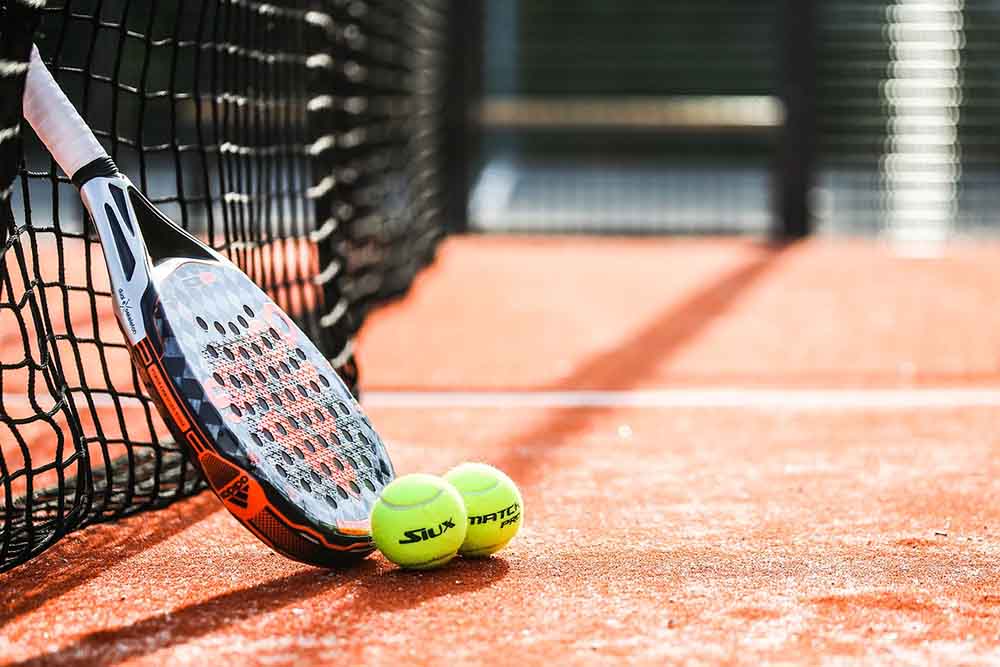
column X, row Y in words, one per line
column 778, row 117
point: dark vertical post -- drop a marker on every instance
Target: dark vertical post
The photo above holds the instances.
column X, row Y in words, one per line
column 463, row 92
column 797, row 149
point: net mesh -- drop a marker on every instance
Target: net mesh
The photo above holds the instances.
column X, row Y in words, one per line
column 300, row 138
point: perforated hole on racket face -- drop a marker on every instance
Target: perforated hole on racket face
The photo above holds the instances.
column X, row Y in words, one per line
column 285, row 415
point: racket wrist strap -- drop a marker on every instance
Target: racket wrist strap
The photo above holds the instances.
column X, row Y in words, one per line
column 102, row 166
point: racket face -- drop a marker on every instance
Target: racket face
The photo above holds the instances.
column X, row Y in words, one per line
column 280, row 438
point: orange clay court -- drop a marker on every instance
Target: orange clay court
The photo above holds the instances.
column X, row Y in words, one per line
column 730, row 453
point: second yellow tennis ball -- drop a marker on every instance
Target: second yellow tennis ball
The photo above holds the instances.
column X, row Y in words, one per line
column 494, row 506
column 419, row 521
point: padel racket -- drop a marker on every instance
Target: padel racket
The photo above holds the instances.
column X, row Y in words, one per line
column 280, row 439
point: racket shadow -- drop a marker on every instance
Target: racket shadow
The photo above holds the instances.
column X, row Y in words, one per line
column 82, row 557
column 376, row 590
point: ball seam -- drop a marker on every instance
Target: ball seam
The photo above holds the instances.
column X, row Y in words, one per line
column 397, row 506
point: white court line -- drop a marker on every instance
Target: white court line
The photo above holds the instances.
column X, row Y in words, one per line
column 757, row 399
column 753, row 399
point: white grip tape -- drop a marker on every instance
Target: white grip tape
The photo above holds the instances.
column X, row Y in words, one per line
column 56, row 121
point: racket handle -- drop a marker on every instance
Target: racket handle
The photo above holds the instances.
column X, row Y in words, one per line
column 57, row 123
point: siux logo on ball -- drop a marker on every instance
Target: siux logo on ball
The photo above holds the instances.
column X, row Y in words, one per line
column 506, row 516
column 421, row 534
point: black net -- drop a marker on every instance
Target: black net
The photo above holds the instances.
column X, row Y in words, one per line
column 301, row 138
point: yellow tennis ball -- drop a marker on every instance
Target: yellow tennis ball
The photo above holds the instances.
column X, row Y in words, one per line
column 493, row 504
column 419, row 521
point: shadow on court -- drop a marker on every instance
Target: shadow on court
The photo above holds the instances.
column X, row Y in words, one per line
column 358, row 593
column 632, row 360
column 82, row 557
